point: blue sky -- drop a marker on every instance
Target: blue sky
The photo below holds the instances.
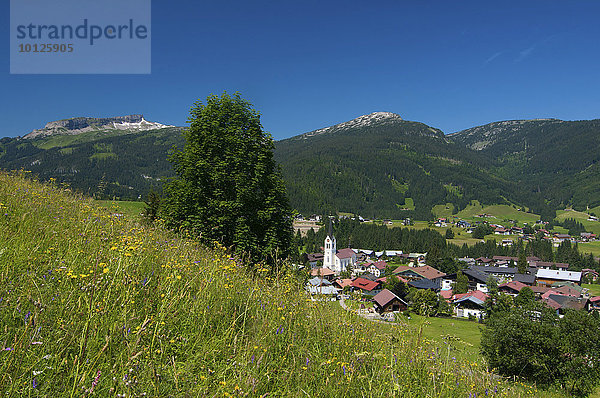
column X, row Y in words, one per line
column 310, row 64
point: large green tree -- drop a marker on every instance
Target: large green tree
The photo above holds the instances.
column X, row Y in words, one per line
column 228, row 187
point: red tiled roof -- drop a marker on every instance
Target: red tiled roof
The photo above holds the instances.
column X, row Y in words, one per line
column 381, row 265
column 514, row 285
column 447, row 294
column 428, row 272
column 365, row 284
column 343, row 282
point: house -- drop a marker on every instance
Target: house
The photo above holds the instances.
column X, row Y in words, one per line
column 594, row 304
column 550, row 265
column 323, row 273
column 342, row 283
column 425, row 271
column 470, row 304
column 527, row 279
column 503, row 274
column 366, row 286
column 589, row 275
column 314, row 258
column 561, row 303
column 377, row 268
column 387, row 301
column 560, row 238
column 477, row 279
column 587, row 236
column 547, row 277
column 511, row 288
column 318, row 285
column 447, row 295
column 502, row 231
column 424, row 284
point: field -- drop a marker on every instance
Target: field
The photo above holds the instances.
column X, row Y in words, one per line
column 95, row 304
column 590, row 226
column 500, row 214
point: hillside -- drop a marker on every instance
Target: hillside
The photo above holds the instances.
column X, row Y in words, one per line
column 93, row 304
column 107, row 163
column 559, row 159
column 378, row 165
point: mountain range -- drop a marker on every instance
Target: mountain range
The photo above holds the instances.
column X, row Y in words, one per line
column 376, row 165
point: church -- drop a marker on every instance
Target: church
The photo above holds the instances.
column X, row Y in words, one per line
column 337, row 260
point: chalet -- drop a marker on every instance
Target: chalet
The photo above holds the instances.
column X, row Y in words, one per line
column 550, row 265
column 423, row 272
column 502, row 231
column 561, row 303
column 377, row 268
column 592, row 218
column 342, row 283
column 594, row 304
column 470, row 304
column 314, row 258
column 319, row 285
column 366, row 286
column 507, row 242
column 424, row 284
column 547, row 277
column 563, row 291
column 483, row 260
column 587, row 236
column 589, row 274
column 387, row 301
column 323, row 273
column 447, row 295
column 527, row 279
column 463, row 224
column 511, row 288
column 503, row 274
column 477, row 279
column 560, row 238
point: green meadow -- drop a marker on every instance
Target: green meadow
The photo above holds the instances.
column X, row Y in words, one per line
column 95, row 304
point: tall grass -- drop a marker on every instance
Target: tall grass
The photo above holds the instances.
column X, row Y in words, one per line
column 94, row 305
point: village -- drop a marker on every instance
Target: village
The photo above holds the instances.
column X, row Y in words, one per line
column 365, row 274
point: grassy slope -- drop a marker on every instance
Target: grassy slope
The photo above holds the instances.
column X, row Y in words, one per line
column 131, row 209
column 591, row 226
column 94, row 304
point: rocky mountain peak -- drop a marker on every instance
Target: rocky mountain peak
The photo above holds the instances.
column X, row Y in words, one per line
column 78, row 125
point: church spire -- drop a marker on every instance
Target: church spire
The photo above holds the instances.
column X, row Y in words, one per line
column 330, row 233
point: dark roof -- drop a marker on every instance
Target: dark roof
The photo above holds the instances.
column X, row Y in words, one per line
column 423, row 284
column 525, row 278
column 495, row 270
column 477, row 275
column 568, row 301
column 315, row 256
column 385, row 297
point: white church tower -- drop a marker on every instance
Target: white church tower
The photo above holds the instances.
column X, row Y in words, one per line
column 330, row 250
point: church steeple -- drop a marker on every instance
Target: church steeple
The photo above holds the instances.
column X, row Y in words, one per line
column 330, row 249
